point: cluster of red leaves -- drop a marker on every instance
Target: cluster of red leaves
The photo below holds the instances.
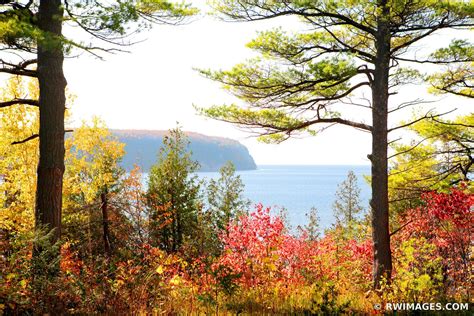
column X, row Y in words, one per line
column 261, row 252
column 445, row 220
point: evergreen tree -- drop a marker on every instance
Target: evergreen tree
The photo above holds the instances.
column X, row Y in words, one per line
column 282, row 213
column 312, row 227
column 173, row 195
column 347, row 206
column 225, row 196
column 225, row 202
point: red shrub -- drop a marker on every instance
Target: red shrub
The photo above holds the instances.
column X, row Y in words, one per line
column 445, row 220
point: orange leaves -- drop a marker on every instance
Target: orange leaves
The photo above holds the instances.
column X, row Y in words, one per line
column 70, row 263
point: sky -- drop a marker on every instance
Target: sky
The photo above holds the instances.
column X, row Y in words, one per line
column 155, row 86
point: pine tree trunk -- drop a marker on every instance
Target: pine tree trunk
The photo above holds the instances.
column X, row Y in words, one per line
column 52, row 102
column 379, row 202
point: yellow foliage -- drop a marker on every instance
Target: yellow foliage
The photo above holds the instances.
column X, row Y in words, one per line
column 18, row 162
column 92, row 156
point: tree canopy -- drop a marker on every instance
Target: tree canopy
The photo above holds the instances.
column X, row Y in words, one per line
column 299, row 76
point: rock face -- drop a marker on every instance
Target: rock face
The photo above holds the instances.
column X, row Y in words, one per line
column 211, row 152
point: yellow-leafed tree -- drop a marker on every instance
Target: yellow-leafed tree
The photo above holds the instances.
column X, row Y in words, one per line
column 18, row 159
column 92, row 176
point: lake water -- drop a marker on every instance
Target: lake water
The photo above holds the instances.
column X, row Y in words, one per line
column 298, row 188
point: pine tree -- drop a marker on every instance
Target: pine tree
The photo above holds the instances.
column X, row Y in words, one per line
column 225, row 196
column 173, row 194
column 347, row 206
column 312, row 228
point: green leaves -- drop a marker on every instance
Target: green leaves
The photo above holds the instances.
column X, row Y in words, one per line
column 173, row 194
column 172, row 9
column 283, row 99
column 269, row 85
column 17, row 29
column 109, row 21
column 458, row 75
column 458, row 50
column 420, row 275
column 106, row 19
column 438, row 157
column 295, row 48
column 299, row 76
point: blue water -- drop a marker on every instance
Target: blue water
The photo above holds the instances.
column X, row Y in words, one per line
column 298, row 188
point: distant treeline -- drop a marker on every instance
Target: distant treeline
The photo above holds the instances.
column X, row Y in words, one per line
column 211, row 152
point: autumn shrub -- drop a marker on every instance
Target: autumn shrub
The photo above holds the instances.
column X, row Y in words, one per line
column 150, row 282
column 444, row 220
column 418, row 274
column 262, row 269
column 265, row 268
column 15, row 273
column 257, row 248
column 143, row 283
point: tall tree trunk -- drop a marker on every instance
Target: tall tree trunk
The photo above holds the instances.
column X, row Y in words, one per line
column 379, row 202
column 52, row 102
column 105, row 224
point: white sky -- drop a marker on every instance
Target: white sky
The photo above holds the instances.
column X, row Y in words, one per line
column 155, row 86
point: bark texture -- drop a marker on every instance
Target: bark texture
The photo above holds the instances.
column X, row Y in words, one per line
column 52, row 101
column 379, row 202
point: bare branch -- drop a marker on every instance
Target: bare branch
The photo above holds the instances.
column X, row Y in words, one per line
column 341, row 121
column 348, row 47
column 34, row 136
column 409, row 103
column 434, row 61
column 452, row 124
column 19, row 101
column 393, row 141
column 430, row 31
column 411, row 148
column 19, row 72
column 399, row 228
column 340, row 19
column 426, row 116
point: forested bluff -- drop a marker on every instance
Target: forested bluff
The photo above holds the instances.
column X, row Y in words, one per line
column 211, row 152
